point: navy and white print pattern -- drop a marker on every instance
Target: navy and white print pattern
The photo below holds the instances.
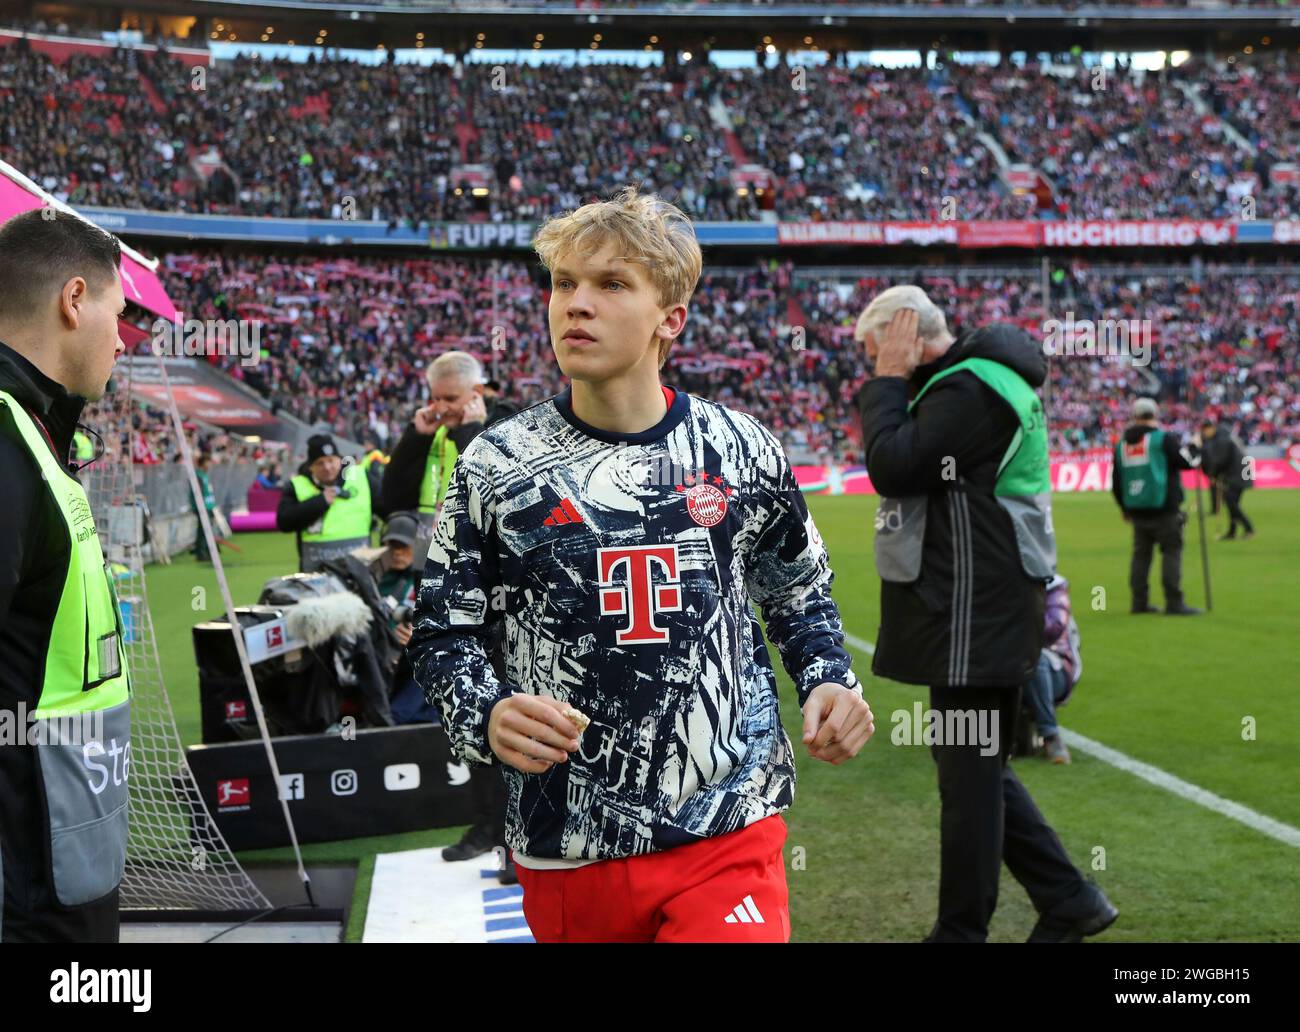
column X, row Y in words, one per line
column 623, row 573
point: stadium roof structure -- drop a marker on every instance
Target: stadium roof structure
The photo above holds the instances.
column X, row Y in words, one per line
column 829, row 27
column 140, row 280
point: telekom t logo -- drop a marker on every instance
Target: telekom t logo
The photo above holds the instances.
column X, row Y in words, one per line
column 636, row 597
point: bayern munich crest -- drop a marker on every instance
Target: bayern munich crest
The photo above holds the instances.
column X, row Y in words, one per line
column 706, row 502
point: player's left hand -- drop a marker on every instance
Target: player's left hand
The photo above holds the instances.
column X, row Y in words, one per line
column 836, row 723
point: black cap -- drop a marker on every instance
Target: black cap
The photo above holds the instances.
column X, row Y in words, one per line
column 402, row 527
column 318, row 445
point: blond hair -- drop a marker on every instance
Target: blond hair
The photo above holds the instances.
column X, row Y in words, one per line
column 645, row 228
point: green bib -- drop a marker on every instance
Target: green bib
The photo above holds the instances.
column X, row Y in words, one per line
column 1143, row 471
column 437, row 471
column 1023, row 487
column 1026, row 467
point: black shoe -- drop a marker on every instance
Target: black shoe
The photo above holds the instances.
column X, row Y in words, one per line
column 1183, row 610
column 473, row 843
column 1144, row 609
column 1087, row 912
column 508, row 875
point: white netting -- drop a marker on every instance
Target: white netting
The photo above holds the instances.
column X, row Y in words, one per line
column 176, row 857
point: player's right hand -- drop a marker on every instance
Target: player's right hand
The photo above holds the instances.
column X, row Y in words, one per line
column 531, row 733
column 330, row 494
column 427, row 420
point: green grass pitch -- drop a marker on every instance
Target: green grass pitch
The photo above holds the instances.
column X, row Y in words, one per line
column 862, row 857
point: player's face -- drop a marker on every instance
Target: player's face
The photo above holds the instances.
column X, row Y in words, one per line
column 605, row 316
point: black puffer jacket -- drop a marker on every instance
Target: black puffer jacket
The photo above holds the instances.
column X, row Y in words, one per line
column 405, row 470
column 973, row 616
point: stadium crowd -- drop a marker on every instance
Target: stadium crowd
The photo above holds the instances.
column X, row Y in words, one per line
column 345, row 340
column 334, row 138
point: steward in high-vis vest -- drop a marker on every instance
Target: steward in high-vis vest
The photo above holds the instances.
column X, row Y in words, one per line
column 65, row 689
column 416, row 479
column 419, row 472
column 956, row 444
column 327, row 504
column 1147, row 483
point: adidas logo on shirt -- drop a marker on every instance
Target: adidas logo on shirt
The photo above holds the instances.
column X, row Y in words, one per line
column 746, row 912
column 563, row 513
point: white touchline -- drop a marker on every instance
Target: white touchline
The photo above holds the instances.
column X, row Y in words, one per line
column 1274, row 829
column 861, row 644
column 1185, row 789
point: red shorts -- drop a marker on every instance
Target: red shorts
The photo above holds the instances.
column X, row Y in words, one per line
column 726, row 889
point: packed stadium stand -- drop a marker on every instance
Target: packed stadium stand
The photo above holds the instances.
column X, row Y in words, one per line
column 1036, row 139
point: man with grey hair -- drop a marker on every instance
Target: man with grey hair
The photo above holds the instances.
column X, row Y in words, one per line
column 416, row 478
column 956, row 444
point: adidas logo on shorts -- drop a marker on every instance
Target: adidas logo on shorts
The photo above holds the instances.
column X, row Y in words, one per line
column 745, row 913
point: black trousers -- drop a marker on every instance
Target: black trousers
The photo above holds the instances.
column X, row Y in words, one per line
column 487, row 787
column 96, row 922
column 1163, row 529
column 1232, row 499
column 200, row 549
column 987, row 817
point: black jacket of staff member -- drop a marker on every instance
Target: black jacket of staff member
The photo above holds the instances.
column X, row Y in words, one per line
column 60, row 300
column 1222, row 458
column 1223, row 461
column 962, row 428
column 961, row 594
column 405, row 470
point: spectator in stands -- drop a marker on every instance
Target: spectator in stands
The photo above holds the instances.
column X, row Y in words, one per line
column 268, row 475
